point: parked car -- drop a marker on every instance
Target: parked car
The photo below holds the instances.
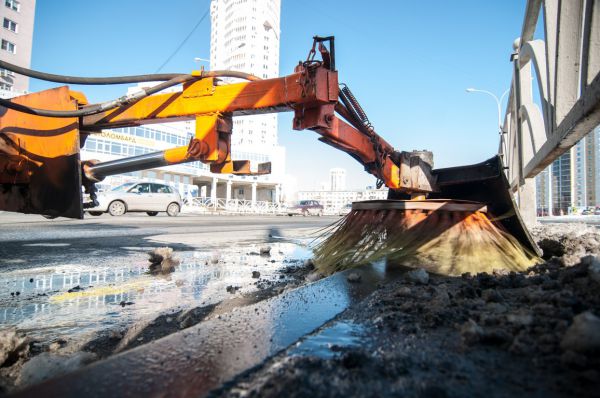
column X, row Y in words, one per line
column 306, row 208
column 149, row 197
column 587, row 212
column 345, row 210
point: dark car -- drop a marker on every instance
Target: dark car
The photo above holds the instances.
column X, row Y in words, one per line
column 306, row 208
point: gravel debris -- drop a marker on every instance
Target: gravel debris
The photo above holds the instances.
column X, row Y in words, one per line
column 162, row 261
column 13, row 346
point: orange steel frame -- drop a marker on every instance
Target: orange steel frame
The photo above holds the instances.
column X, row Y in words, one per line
column 40, row 152
column 311, row 93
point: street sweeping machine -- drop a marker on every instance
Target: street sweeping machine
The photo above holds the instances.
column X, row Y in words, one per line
column 450, row 221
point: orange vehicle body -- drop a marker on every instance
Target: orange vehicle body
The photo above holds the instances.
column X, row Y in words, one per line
column 42, row 172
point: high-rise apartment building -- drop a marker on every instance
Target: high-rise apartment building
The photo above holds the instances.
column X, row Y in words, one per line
column 337, row 179
column 16, row 40
column 245, row 37
column 572, row 180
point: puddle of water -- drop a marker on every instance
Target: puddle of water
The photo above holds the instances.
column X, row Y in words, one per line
column 73, row 301
column 230, row 344
column 329, row 341
column 47, row 244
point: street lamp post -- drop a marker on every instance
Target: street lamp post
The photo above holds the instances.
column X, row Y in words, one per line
column 498, row 103
column 200, row 60
column 499, row 107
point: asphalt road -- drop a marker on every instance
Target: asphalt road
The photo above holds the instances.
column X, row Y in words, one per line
column 32, row 241
column 74, row 281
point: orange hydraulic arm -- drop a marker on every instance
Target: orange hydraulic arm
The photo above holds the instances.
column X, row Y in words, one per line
column 41, row 150
column 311, row 92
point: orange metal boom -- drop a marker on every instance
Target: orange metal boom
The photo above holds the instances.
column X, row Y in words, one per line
column 311, row 92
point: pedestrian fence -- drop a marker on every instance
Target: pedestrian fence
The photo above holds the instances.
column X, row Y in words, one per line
column 232, row 206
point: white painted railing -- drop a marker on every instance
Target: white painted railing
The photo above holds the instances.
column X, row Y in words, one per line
column 565, row 56
column 234, row 206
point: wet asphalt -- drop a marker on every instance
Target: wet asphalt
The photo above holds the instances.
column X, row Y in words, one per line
column 53, row 269
column 198, row 359
column 29, row 241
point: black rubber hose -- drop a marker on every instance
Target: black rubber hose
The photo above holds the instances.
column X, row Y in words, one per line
column 230, row 73
column 87, row 80
column 127, row 99
column 98, row 108
column 117, row 79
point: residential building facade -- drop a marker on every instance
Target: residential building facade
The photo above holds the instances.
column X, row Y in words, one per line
column 337, row 179
column 245, row 37
column 572, row 182
column 334, row 201
column 16, row 39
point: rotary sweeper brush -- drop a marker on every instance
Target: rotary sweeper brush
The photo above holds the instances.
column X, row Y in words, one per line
column 447, row 236
column 448, row 221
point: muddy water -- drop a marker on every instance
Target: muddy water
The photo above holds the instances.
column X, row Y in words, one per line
column 75, row 301
column 329, row 341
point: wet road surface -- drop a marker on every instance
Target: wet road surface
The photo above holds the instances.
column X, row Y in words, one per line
column 198, row 359
column 70, row 281
column 29, row 241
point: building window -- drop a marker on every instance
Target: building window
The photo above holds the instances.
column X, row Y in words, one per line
column 6, row 72
column 13, row 5
column 6, row 86
column 8, row 46
column 10, row 25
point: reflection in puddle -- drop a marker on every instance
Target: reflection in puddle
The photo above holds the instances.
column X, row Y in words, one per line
column 47, row 244
column 75, row 300
column 330, row 340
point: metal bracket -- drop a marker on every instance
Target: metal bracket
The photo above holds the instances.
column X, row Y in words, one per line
column 200, row 88
column 415, row 173
column 240, row 167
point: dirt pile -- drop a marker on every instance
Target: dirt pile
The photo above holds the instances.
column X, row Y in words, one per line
column 13, row 347
column 162, row 261
column 569, row 242
column 500, row 334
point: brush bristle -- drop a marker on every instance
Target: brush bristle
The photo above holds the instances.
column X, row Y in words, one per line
column 443, row 242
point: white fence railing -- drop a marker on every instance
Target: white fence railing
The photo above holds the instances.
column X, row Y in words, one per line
column 235, row 206
column 562, row 65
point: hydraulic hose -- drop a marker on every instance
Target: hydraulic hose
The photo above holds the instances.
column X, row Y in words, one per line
column 126, row 99
column 117, row 79
column 98, row 108
column 229, row 73
column 87, row 80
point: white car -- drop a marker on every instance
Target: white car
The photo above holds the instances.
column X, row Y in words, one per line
column 345, row 210
column 149, row 197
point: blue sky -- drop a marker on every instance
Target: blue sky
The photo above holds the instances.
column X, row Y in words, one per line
column 408, row 63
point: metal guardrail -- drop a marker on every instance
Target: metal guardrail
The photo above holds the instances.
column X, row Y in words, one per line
column 566, row 62
column 234, row 206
